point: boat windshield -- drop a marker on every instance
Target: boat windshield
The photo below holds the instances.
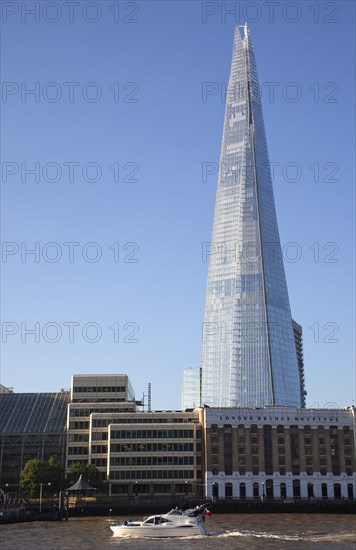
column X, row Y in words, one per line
column 176, row 512
column 156, row 520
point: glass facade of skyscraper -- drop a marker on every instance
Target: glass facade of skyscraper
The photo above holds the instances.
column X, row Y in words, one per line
column 249, row 356
column 191, row 388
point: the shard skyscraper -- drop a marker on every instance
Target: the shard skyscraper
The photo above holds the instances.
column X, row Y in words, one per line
column 249, row 355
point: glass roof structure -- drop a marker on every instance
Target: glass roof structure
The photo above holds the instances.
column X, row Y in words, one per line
column 33, row 412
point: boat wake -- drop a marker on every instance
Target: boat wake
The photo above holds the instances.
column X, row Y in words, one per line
column 335, row 537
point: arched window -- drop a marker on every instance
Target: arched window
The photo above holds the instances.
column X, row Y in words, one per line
column 255, row 490
column 337, row 490
column 269, row 488
column 324, row 490
column 350, row 491
column 296, row 488
column 228, row 490
column 283, row 491
column 242, row 490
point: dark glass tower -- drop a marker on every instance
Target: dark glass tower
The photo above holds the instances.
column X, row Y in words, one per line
column 249, row 354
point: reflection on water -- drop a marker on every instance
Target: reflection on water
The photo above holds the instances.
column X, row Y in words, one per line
column 229, row 531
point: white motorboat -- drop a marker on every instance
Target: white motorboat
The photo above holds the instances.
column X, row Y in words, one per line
column 176, row 523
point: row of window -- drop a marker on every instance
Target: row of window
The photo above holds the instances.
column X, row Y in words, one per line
column 241, row 428
column 152, row 447
column 99, row 389
column 79, row 425
column 102, row 449
column 281, row 448
column 78, row 450
column 78, row 438
column 153, row 474
column 99, row 449
column 267, row 491
column 295, row 449
column 87, row 411
column 281, row 470
column 137, row 419
column 99, row 436
column 153, row 460
column 110, row 399
column 153, row 434
column 104, row 422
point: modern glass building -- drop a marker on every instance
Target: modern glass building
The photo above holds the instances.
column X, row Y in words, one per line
column 298, row 339
column 249, row 355
column 191, row 388
column 32, row 425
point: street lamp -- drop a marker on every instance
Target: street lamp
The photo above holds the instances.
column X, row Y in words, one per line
column 41, row 485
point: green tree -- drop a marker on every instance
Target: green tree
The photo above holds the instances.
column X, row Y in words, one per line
column 33, row 474
column 55, row 473
column 36, row 472
column 89, row 471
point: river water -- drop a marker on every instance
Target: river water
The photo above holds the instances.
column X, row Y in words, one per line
column 228, row 531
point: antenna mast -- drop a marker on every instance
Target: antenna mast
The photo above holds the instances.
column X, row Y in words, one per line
column 149, row 397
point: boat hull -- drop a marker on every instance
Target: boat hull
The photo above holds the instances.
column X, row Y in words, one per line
column 158, row 531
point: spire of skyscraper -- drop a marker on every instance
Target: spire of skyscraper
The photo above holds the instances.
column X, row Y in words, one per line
column 248, row 356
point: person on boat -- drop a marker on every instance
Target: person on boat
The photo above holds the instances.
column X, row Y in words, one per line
column 157, row 520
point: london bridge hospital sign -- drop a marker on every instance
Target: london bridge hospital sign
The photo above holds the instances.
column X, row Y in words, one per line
column 278, row 415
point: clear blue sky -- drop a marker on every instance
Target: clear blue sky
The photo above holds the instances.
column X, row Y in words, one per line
column 161, row 125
